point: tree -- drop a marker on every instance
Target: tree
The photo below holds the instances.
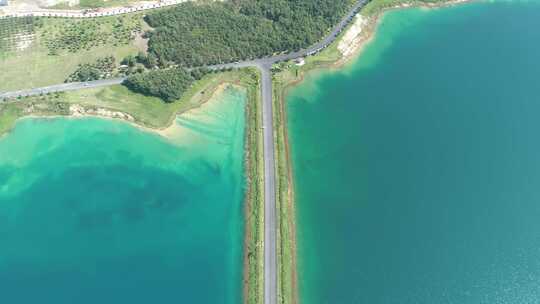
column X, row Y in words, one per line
column 129, row 61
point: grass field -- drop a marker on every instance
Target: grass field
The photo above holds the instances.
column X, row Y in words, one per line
column 46, row 50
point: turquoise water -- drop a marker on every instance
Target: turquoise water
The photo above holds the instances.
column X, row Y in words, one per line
column 97, row 211
column 417, row 167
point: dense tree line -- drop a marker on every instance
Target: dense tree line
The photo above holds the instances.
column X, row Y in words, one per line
column 195, row 34
column 169, row 84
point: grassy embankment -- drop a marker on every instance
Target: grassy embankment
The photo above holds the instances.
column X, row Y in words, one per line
column 44, row 51
column 254, row 249
column 287, row 75
column 152, row 112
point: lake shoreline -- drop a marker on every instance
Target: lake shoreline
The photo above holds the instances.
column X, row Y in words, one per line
column 77, row 111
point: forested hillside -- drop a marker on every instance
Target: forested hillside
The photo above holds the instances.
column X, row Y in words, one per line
column 194, row 34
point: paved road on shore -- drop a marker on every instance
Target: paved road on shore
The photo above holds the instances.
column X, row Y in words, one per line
column 72, row 86
column 264, row 65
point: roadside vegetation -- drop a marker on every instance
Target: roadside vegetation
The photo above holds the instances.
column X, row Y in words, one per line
column 195, row 34
column 254, row 207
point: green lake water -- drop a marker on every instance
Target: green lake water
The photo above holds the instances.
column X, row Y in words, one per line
column 417, row 167
column 97, row 211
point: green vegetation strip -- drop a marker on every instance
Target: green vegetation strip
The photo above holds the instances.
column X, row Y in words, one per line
column 254, row 251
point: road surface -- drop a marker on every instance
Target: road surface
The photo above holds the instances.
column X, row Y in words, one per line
column 72, row 86
column 270, row 220
column 264, row 65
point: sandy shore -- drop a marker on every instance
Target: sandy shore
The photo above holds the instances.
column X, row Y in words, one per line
column 364, row 29
column 172, row 132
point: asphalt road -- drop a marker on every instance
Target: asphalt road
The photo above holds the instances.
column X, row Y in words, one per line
column 72, row 86
column 264, row 65
column 270, row 220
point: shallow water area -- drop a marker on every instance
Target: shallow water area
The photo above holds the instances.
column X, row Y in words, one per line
column 99, row 211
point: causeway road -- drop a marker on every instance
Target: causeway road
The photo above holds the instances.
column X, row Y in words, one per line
column 270, row 220
column 264, row 65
